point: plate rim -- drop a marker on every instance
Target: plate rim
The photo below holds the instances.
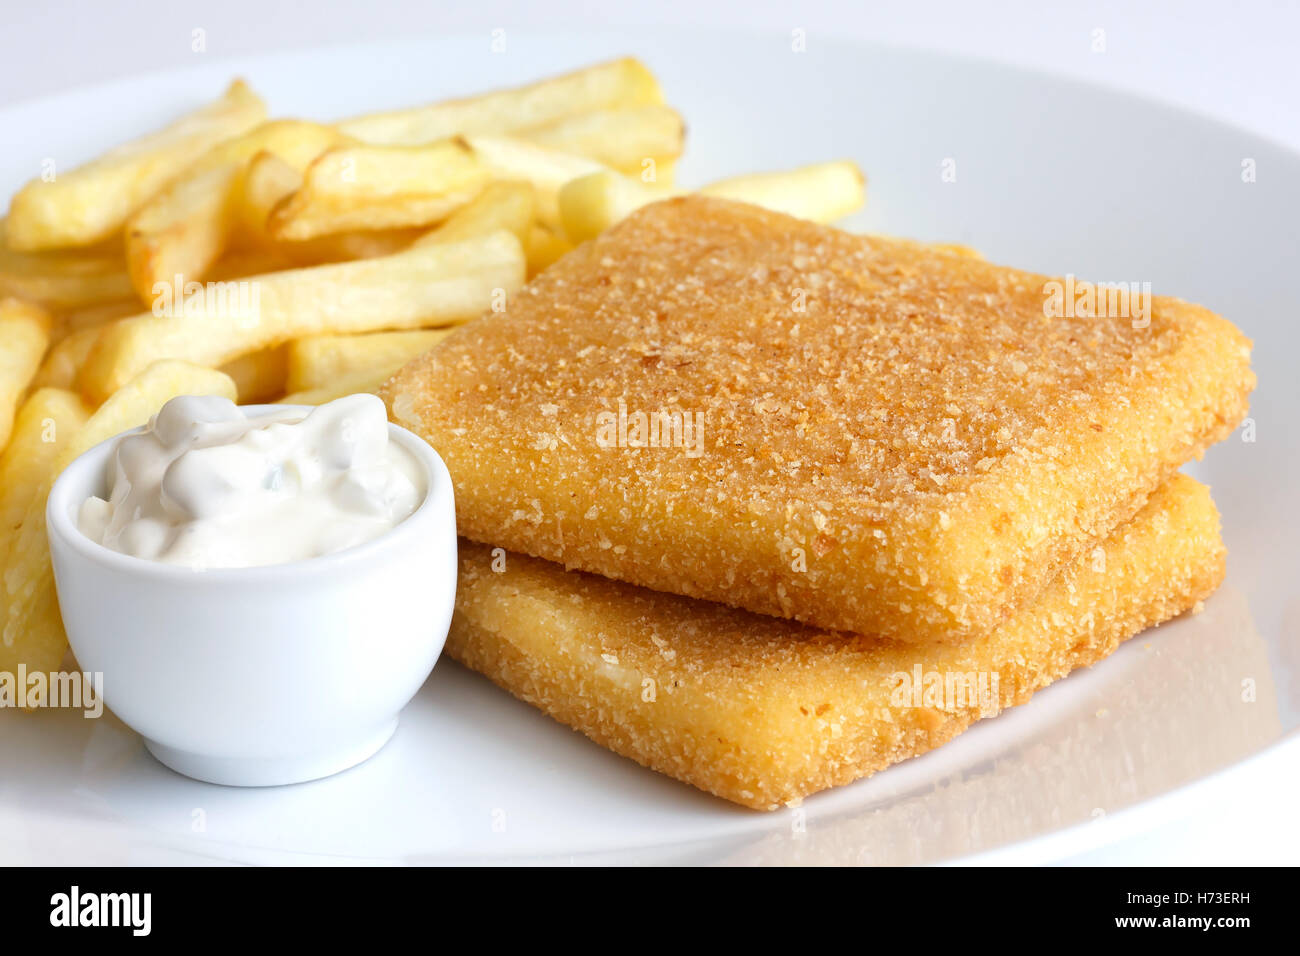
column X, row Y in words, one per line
column 1177, row 803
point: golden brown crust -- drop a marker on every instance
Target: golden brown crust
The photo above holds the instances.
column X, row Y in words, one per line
column 896, row 440
column 763, row 711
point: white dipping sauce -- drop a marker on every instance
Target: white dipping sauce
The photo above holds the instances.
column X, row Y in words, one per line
column 208, row 487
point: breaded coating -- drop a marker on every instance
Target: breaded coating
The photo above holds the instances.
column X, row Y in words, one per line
column 763, row 711
column 891, row 439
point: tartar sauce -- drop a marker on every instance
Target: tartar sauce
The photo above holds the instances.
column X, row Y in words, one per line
column 206, row 486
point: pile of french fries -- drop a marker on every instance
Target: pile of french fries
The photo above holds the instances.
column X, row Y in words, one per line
column 299, row 261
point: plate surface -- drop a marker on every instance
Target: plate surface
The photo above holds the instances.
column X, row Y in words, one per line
column 1051, row 175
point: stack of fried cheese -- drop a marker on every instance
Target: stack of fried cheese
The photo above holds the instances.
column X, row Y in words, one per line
column 784, row 505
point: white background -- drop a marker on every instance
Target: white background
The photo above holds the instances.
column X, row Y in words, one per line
column 1235, row 61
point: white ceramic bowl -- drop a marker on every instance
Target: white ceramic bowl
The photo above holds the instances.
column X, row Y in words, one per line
column 266, row 675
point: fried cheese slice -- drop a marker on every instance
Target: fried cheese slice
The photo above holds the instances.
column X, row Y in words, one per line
column 763, row 711
column 855, row 432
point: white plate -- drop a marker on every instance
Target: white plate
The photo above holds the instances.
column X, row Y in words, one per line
column 1051, row 175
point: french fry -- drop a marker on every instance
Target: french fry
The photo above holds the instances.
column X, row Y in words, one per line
column 379, row 187
column 140, row 397
column 64, row 279
column 24, row 337
column 45, row 424
column 259, row 376
column 69, row 289
column 33, row 630
column 102, row 257
column 184, row 229
column 822, row 192
column 87, row 204
column 48, row 417
column 543, row 248
column 349, row 246
column 319, row 361
column 64, row 360
column 505, row 204
column 369, row 381
column 420, row 288
column 89, row 316
column 589, row 205
column 622, row 139
column 547, row 169
column 660, row 174
column 281, row 256
column 246, row 263
column 619, row 83
column 296, row 142
column 268, row 181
